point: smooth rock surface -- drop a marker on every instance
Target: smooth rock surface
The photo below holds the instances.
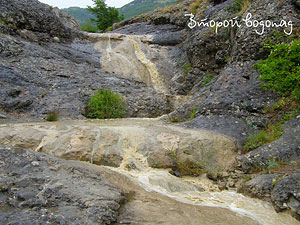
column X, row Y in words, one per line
column 113, row 142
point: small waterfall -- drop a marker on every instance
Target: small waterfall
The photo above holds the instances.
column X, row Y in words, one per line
column 155, row 77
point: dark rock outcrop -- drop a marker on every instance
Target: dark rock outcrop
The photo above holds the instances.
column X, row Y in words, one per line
column 248, row 45
column 286, row 148
column 282, row 191
column 260, row 186
column 32, row 20
column 39, row 189
column 235, row 91
column 286, row 194
column 231, row 126
column 66, row 19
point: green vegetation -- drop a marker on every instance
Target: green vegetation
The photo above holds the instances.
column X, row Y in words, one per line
column 187, row 68
column 138, row 7
column 207, row 79
column 280, row 73
column 81, row 15
column 281, row 70
column 52, row 116
column 272, row 163
column 105, row 16
column 106, row 104
column 271, row 133
column 284, row 109
column 194, row 112
column 89, row 27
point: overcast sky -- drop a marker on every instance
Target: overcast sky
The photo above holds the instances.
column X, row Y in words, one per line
column 83, row 3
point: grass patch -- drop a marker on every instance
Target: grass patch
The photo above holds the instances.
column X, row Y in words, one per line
column 284, row 110
column 207, row 79
column 174, row 119
column 106, row 104
column 187, row 68
column 280, row 72
column 194, row 112
column 52, row 116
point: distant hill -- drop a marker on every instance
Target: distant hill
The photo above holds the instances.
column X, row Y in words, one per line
column 131, row 9
column 138, row 7
column 82, row 15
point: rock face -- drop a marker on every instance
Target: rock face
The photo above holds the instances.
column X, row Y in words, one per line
column 37, row 79
column 36, row 188
column 66, row 19
column 283, row 191
column 114, row 143
column 286, row 148
column 286, row 194
column 32, row 20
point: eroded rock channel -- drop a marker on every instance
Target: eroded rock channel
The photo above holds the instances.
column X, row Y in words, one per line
column 129, row 148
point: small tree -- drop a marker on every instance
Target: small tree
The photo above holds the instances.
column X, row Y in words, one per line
column 105, row 16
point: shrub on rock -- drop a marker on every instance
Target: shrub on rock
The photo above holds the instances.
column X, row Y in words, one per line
column 106, row 104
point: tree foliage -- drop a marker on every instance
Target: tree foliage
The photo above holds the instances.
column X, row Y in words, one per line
column 105, row 16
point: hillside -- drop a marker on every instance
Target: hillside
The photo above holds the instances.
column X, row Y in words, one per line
column 131, row 9
column 138, row 7
column 82, row 15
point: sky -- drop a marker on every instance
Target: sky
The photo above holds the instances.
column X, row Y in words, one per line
column 83, row 3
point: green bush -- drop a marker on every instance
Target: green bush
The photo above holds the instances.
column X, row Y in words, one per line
column 281, row 70
column 52, row 116
column 106, row 104
column 89, row 27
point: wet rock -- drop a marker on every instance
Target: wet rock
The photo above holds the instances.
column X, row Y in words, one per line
column 145, row 58
column 222, row 186
column 2, row 116
column 79, row 193
column 286, row 148
column 108, row 145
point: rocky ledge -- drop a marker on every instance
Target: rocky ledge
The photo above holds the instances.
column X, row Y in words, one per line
column 40, row 189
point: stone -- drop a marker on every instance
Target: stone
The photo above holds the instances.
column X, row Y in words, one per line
column 286, row 148
column 260, row 186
